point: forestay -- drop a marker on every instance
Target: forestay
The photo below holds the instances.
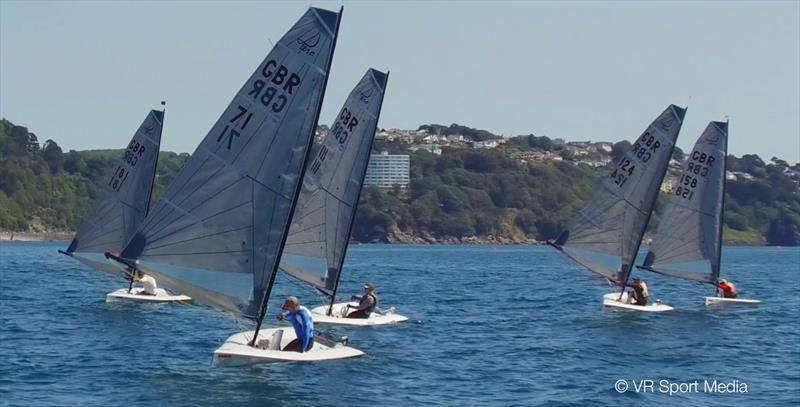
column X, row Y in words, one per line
column 216, row 234
column 687, row 242
column 122, row 204
column 606, row 234
column 320, row 230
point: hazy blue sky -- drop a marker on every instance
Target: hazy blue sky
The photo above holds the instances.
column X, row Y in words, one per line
column 85, row 73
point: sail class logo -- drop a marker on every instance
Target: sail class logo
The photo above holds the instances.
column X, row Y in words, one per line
column 308, row 41
column 713, row 140
column 365, row 96
column 667, row 123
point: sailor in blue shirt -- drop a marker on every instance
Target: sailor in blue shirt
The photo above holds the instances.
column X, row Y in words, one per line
column 300, row 317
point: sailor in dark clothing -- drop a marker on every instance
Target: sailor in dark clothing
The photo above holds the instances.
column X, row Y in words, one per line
column 639, row 293
column 366, row 303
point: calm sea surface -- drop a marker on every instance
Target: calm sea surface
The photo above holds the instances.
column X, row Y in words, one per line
column 489, row 325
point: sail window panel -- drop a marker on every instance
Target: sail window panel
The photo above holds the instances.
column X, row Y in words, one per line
column 604, row 264
column 227, row 291
column 98, row 261
column 699, row 270
column 310, row 269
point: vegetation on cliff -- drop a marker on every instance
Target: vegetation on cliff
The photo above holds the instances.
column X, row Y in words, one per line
column 463, row 194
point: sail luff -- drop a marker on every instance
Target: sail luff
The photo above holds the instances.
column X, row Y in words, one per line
column 354, row 211
column 715, row 268
column 288, row 223
column 155, row 167
column 627, row 266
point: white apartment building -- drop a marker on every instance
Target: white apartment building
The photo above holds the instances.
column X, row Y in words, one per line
column 387, row 170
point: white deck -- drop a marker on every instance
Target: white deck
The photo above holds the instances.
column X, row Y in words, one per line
column 729, row 301
column 136, row 295
column 612, row 300
column 236, row 352
column 337, row 317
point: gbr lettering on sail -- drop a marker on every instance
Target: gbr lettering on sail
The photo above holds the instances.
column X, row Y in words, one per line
column 272, row 89
column 275, row 86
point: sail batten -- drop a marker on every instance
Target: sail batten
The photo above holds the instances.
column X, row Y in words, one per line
column 687, row 243
column 121, row 205
column 321, row 227
column 606, row 234
column 219, row 229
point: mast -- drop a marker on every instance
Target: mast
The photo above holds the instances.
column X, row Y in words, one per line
column 265, row 298
column 152, row 184
column 627, row 268
column 721, row 210
column 155, row 167
column 358, row 198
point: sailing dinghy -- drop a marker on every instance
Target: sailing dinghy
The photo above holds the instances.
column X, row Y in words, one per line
column 606, row 234
column 317, row 243
column 688, row 242
column 218, row 233
column 120, row 207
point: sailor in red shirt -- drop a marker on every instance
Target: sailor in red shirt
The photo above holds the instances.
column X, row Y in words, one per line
column 728, row 288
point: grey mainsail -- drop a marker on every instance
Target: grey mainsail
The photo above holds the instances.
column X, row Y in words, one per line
column 606, row 234
column 218, row 232
column 122, row 204
column 687, row 242
column 317, row 241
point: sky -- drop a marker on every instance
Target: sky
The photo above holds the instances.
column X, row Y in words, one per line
column 85, row 73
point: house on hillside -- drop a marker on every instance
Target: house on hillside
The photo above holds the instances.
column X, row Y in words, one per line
column 455, row 138
column 605, row 147
column 431, row 148
column 486, row 144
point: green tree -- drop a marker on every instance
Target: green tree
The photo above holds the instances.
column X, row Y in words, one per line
column 784, row 230
column 53, row 156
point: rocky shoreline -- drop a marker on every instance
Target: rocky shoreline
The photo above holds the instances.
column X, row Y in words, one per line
column 50, row 236
column 398, row 237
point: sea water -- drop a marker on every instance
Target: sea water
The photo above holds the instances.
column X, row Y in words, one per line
column 505, row 325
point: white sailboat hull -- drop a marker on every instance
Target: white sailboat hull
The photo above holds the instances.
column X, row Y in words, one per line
column 337, row 317
column 136, row 294
column 613, row 300
column 729, row 301
column 236, row 351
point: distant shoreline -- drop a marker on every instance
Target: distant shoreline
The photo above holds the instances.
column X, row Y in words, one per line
column 62, row 236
